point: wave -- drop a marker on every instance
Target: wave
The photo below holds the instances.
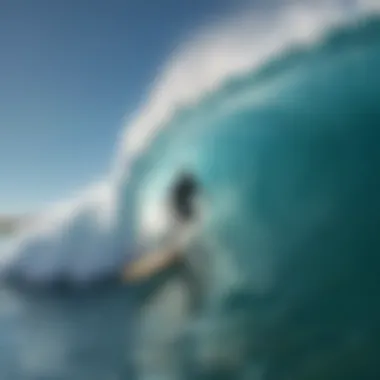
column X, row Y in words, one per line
column 230, row 66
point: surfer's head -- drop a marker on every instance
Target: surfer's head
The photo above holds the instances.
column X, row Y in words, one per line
column 289, row 159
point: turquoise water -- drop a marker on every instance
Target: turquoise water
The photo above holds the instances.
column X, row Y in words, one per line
column 285, row 251
column 64, row 336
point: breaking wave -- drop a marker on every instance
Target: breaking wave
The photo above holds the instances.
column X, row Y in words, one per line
column 220, row 70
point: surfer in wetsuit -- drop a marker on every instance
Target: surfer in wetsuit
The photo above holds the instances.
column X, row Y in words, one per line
column 181, row 205
column 160, row 265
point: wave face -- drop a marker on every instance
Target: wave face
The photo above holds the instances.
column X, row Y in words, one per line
column 215, row 112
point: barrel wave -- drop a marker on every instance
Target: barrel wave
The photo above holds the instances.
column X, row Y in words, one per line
column 219, row 123
column 279, row 129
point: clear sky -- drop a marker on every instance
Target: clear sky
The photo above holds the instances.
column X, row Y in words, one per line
column 70, row 70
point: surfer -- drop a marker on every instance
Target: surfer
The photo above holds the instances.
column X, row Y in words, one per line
column 161, row 264
column 181, row 206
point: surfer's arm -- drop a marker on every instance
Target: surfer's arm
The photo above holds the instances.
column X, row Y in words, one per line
column 150, row 264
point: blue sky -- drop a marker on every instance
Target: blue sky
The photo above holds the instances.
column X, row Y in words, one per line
column 70, row 70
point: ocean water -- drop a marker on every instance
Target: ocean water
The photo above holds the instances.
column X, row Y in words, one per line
column 284, row 253
column 94, row 332
column 64, row 335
